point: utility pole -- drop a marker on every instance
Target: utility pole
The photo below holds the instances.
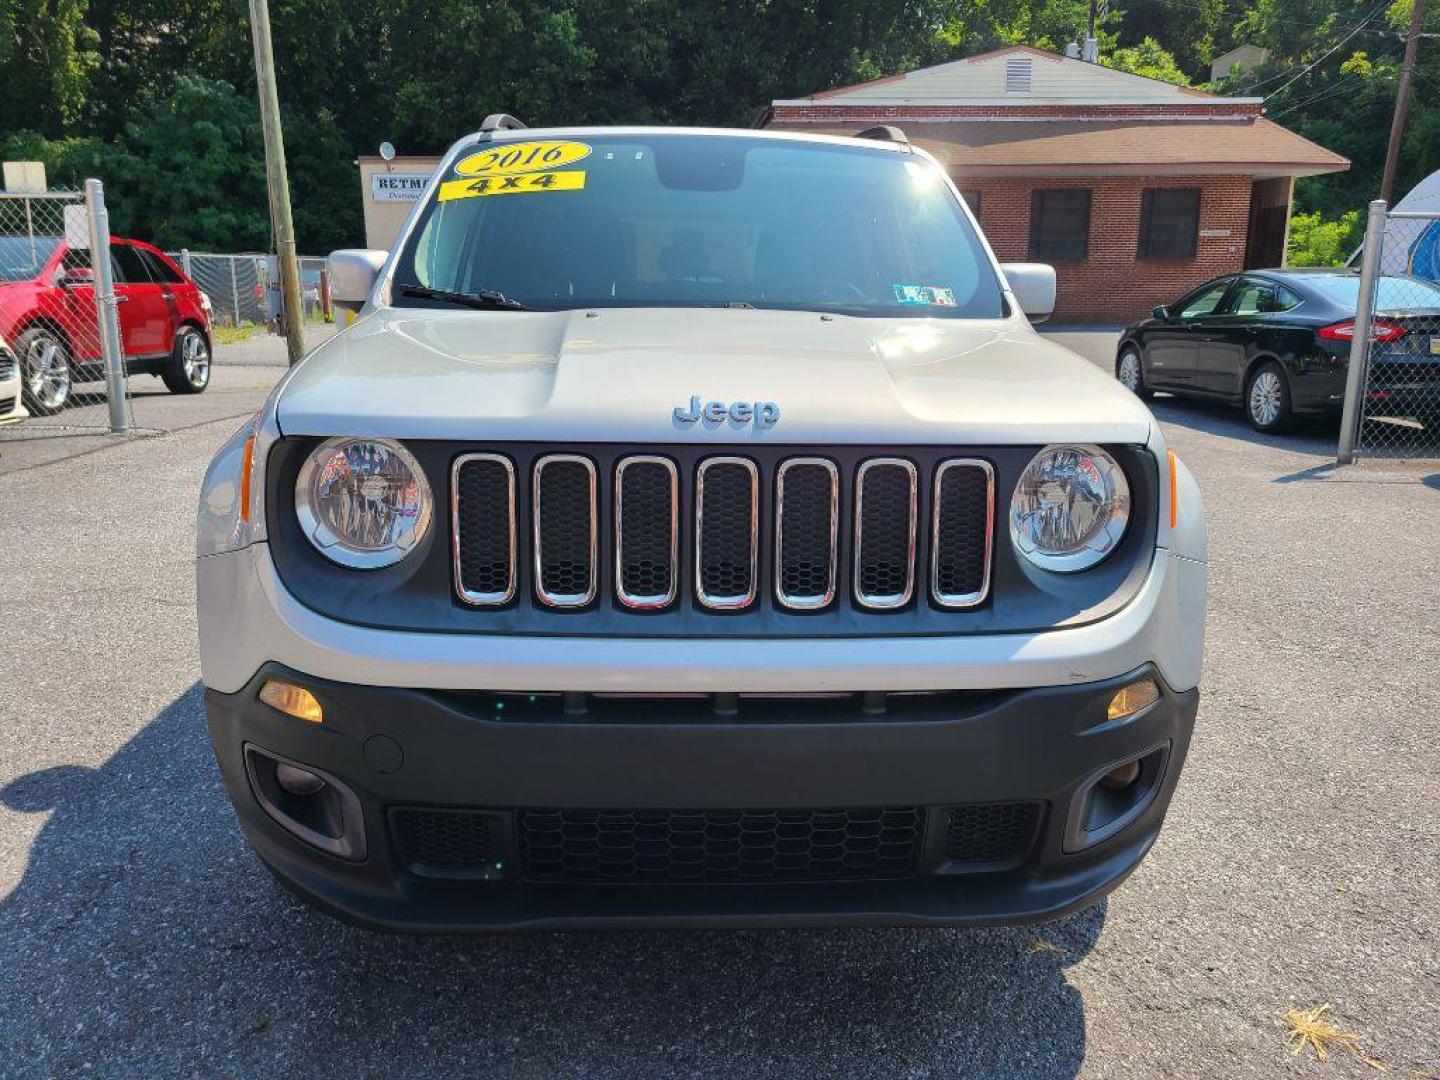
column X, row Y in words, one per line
column 1402, row 100
column 277, row 181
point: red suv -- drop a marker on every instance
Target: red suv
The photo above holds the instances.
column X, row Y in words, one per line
column 47, row 314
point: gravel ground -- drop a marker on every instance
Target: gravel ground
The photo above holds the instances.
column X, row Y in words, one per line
column 1300, row 864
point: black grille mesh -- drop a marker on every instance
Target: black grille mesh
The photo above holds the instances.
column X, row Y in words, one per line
column 717, row 845
column 991, row 832
column 647, row 526
column 727, row 538
column 883, row 566
column 963, row 519
column 566, row 565
column 806, row 557
column 443, row 840
column 484, row 512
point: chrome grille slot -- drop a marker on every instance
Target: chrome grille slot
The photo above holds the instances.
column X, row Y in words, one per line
column 565, row 530
column 482, row 501
column 961, row 534
column 885, row 512
column 727, row 513
column 647, row 531
column 807, row 520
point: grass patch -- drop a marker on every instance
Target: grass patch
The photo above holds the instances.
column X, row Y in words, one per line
column 233, row 335
column 1312, row 1028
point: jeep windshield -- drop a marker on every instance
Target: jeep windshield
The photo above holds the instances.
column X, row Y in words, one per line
column 683, row 220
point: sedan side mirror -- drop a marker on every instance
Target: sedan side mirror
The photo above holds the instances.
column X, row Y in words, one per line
column 1034, row 287
column 1160, row 311
column 352, row 275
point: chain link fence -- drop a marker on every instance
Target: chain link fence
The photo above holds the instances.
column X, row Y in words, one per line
column 1392, row 407
column 51, row 320
column 244, row 289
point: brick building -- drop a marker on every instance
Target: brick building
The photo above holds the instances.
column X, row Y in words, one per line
column 1134, row 189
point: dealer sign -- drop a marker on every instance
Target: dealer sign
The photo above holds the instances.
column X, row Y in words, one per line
column 397, row 187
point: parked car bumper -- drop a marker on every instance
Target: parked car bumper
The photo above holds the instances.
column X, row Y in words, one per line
column 462, row 819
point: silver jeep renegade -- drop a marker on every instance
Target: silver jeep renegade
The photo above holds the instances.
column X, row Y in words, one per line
column 692, row 530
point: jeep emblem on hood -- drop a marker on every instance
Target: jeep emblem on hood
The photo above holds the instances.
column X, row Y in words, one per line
column 762, row 414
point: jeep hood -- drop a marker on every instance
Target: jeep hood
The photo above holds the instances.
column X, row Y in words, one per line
column 618, row 374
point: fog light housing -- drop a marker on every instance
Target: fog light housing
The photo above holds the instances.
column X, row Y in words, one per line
column 1115, row 780
column 292, row 700
column 297, row 781
column 1129, row 700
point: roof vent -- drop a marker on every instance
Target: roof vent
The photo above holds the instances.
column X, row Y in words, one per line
column 1017, row 75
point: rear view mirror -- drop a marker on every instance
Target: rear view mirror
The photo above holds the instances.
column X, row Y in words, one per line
column 352, row 275
column 1160, row 311
column 1034, row 287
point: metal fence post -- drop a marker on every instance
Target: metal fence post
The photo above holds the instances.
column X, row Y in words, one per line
column 234, row 290
column 105, row 306
column 185, row 263
column 1354, row 412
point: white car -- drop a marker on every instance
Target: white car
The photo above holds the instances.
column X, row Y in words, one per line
column 11, row 406
column 687, row 509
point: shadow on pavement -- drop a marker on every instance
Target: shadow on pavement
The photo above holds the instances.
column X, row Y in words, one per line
column 145, row 938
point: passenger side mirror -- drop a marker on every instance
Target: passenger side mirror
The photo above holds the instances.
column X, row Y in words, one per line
column 352, row 275
column 1160, row 311
column 1034, row 287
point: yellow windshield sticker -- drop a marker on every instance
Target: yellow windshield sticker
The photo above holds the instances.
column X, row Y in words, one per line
column 510, row 159
column 472, row 187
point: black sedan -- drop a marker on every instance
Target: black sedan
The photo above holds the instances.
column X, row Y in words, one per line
column 1277, row 342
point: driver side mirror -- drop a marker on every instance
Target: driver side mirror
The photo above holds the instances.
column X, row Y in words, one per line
column 74, row 276
column 1034, row 287
column 352, row 275
column 1160, row 311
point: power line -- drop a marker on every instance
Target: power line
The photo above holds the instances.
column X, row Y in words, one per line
column 1328, row 52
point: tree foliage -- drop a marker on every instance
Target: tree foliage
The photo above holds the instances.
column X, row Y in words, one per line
column 157, row 96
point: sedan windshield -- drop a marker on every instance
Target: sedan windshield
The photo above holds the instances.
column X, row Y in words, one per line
column 698, row 221
column 23, row 257
column 1392, row 292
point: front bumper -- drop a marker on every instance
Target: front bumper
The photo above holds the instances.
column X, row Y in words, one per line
column 419, row 748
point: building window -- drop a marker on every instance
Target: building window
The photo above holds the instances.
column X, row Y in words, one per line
column 972, row 199
column 1169, row 223
column 1059, row 224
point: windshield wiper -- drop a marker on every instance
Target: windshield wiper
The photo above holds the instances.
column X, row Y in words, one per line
column 485, row 299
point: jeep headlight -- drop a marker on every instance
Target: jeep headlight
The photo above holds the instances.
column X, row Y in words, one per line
column 364, row 503
column 1070, row 508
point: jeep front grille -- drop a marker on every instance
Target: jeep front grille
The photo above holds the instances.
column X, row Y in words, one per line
column 722, row 532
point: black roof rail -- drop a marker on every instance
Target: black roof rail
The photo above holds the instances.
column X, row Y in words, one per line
column 884, row 133
column 502, row 122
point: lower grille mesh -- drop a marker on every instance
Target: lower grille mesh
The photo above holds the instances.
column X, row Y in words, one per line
column 717, row 845
column 443, row 840
column 991, row 832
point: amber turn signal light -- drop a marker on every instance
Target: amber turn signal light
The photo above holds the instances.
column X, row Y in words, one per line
column 292, row 700
column 1131, row 699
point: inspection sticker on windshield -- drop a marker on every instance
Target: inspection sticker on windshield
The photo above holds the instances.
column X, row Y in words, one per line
column 924, row 294
column 510, row 159
column 470, row 187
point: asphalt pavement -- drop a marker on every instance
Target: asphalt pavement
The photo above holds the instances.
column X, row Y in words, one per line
column 1300, row 864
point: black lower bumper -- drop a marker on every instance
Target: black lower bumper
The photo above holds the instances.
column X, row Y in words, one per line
column 916, row 776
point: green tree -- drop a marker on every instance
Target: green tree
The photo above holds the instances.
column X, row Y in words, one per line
column 1315, row 241
column 1148, row 58
column 47, row 55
